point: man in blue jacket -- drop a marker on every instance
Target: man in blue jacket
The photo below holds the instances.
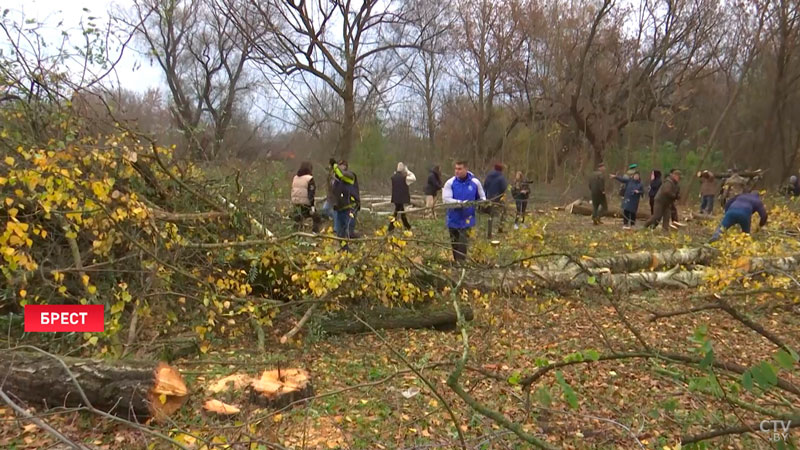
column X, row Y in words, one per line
column 461, row 188
column 738, row 210
column 496, row 186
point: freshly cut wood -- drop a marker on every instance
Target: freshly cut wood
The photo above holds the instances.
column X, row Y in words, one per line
column 217, row 407
column 584, row 208
column 443, row 317
column 758, row 264
column 280, row 387
column 633, row 262
column 233, row 382
column 136, row 390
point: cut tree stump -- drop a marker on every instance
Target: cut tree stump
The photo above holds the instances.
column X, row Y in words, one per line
column 280, row 387
column 135, row 390
column 441, row 318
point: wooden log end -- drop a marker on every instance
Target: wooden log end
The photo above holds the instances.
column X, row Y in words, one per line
column 233, row 382
column 169, row 391
column 216, row 407
column 278, row 388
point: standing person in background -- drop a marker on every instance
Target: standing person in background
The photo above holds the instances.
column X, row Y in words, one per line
column 597, row 187
column 432, row 188
column 461, row 188
column 521, row 192
column 401, row 195
column 708, row 190
column 655, row 185
column 496, row 187
column 630, row 202
column 303, row 191
column 739, row 210
column 664, row 199
column 347, row 200
column 327, row 205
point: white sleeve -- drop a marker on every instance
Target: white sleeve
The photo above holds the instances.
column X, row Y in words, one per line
column 447, row 192
column 410, row 177
column 481, row 193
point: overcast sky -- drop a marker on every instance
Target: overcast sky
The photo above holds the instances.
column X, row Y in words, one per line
column 134, row 72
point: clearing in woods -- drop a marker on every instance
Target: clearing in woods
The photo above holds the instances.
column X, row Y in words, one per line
column 366, row 396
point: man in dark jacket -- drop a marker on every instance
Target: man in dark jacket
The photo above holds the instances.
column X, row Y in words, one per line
column 347, row 200
column 633, row 190
column 739, row 210
column 597, row 187
column 401, row 195
column 431, row 190
column 496, row 186
column 664, row 200
column 655, row 185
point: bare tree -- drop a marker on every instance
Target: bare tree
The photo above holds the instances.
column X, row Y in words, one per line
column 346, row 46
column 613, row 78
column 486, row 35
column 203, row 59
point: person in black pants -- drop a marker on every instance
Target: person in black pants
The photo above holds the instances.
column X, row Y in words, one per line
column 655, row 185
column 401, row 195
column 520, row 191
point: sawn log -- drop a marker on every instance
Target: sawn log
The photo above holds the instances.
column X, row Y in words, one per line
column 134, row 390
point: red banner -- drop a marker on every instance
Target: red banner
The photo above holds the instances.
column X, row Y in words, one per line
column 61, row 318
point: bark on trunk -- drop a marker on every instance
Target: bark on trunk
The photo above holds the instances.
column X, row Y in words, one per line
column 134, row 390
column 634, row 262
column 576, row 278
column 441, row 318
column 584, row 208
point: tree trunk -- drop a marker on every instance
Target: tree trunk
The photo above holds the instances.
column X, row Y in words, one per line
column 345, row 144
column 584, row 208
column 633, row 262
column 134, row 390
column 441, row 318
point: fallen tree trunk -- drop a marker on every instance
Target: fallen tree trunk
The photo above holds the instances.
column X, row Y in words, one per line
column 129, row 389
column 584, row 208
column 634, row 262
column 576, row 278
column 441, row 318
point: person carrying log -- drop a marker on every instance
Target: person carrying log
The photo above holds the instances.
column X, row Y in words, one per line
column 597, row 188
column 461, row 188
column 401, row 195
column 664, row 200
column 733, row 185
column 655, row 185
column 739, row 210
column 346, row 199
column 303, row 191
column 633, row 191
column 496, row 186
column 708, row 190
column 520, row 191
column 431, row 190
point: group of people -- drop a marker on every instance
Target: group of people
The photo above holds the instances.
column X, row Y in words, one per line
column 738, row 202
column 461, row 195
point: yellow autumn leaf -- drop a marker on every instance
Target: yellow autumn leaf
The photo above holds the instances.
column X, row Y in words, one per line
column 162, row 398
column 9, row 160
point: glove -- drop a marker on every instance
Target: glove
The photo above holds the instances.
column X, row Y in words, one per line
column 313, row 210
